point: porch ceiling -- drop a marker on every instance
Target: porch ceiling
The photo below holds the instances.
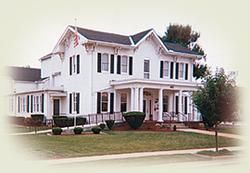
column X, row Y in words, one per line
column 155, row 84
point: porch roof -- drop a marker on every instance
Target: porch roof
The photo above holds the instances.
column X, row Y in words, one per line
column 155, row 84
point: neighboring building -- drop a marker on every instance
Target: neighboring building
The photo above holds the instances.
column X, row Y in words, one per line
column 99, row 72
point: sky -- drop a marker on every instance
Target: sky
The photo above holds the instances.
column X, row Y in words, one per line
column 30, row 29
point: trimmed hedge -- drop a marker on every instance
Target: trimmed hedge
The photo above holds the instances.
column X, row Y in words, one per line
column 78, row 130
column 96, row 130
column 110, row 124
column 64, row 121
column 102, row 126
column 56, row 131
column 134, row 118
column 37, row 119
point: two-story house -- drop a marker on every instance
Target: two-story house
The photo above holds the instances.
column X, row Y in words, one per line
column 99, row 72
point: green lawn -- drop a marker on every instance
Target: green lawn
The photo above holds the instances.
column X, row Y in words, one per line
column 230, row 129
column 117, row 142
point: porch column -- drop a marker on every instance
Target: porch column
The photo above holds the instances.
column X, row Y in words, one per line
column 115, row 110
column 136, row 99
column 132, row 99
column 141, row 99
column 160, row 106
column 180, row 101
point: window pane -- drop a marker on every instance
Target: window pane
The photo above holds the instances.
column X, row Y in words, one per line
column 105, row 62
column 146, row 65
column 166, row 68
column 124, row 64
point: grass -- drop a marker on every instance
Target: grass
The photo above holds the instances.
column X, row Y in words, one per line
column 117, row 142
column 222, row 152
column 230, row 129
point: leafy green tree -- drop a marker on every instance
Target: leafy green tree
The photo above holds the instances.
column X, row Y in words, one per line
column 185, row 36
column 217, row 100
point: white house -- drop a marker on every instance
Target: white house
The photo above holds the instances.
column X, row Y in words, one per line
column 99, row 72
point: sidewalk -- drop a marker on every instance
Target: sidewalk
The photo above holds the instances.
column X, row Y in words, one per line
column 129, row 155
column 227, row 135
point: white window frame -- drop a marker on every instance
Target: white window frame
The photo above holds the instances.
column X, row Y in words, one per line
column 108, row 61
column 166, row 69
column 124, row 65
column 146, row 74
column 106, row 101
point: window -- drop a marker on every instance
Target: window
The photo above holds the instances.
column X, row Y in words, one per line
column 146, row 69
column 166, row 69
column 34, row 104
column 74, row 103
column 23, row 104
column 18, row 104
column 123, row 107
column 104, row 102
column 165, row 103
column 74, row 64
column 37, row 103
column 105, row 62
column 124, row 64
column 181, row 71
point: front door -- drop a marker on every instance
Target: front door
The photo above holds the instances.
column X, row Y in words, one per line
column 147, row 109
column 56, row 107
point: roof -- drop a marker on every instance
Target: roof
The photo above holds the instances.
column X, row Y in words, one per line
column 125, row 40
column 103, row 36
column 137, row 37
column 24, row 73
column 178, row 48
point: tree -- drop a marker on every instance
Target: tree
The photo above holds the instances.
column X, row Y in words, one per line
column 188, row 38
column 217, row 100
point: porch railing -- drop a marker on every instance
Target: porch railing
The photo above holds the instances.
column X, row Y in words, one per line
column 174, row 117
column 102, row 117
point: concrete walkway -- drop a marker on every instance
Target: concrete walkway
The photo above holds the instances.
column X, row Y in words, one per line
column 227, row 135
column 130, row 155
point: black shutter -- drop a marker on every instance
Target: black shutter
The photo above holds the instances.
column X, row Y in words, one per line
column 171, row 70
column 70, row 65
column 99, row 62
column 177, row 70
column 78, row 64
column 98, row 102
column 28, row 103
column 70, row 103
column 18, row 104
column 130, row 65
column 42, row 104
column 193, row 70
column 118, row 64
column 185, row 105
column 161, row 69
column 112, row 61
column 176, row 104
column 77, row 103
column 111, row 104
column 186, row 72
column 31, row 103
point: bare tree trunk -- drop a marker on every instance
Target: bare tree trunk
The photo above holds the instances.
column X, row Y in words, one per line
column 216, row 138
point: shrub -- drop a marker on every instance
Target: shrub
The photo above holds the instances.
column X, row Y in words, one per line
column 102, row 126
column 110, row 123
column 56, row 131
column 38, row 119
column 28, row 121
column 134, row 119
column 64, row 121
column 96, row 130
column 78, row 130
column 174, row 128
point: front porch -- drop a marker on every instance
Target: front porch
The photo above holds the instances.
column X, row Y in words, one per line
column 160, row 102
